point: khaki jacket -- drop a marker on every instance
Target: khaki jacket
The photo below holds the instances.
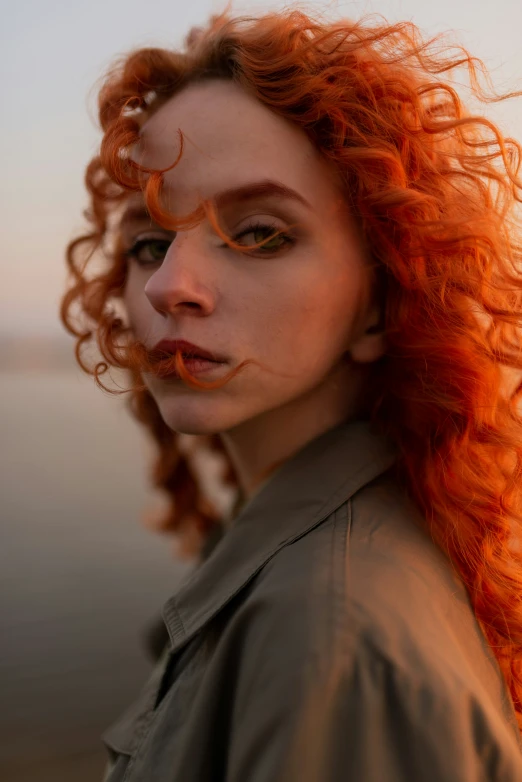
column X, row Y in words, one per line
column 324, row 639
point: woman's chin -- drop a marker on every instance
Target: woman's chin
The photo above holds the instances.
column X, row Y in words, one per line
column 191, row 416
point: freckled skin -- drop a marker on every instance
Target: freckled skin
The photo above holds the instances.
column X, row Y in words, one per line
column 292, row 310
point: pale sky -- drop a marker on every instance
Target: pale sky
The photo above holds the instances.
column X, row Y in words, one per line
column 53, row 51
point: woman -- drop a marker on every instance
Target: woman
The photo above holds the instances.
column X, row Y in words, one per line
column 339, row 240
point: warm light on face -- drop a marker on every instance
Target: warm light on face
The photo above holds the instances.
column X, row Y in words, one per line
column 285, row 308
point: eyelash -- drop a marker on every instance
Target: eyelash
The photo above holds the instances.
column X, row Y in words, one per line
column 133, row 251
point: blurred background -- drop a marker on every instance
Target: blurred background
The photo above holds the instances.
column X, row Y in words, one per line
column 81, row 577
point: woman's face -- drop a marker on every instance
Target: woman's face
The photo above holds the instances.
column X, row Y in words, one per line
column 291, row 308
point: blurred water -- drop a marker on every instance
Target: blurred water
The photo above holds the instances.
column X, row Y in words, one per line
column 80, row 577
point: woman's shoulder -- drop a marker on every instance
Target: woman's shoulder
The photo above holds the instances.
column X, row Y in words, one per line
column 368, row 579
column 361, row 610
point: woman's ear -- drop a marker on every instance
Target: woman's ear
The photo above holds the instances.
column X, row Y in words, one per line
column 370, row 345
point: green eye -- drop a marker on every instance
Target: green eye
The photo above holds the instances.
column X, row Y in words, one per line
column 282, row 239
column 156, row 249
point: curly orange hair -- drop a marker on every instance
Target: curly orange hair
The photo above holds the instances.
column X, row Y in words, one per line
column 435, row 191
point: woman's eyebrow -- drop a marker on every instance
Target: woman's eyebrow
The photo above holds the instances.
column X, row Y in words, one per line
column 264, row 188
column 250, row 191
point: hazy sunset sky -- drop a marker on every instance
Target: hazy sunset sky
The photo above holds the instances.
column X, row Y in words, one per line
column 54, row 51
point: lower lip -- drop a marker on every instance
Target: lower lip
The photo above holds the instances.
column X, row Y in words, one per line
column 196, row 366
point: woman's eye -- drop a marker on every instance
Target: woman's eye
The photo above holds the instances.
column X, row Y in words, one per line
column 147, row 251
column 262, row 231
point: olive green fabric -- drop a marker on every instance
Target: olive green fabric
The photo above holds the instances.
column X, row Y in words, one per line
column 325, row 638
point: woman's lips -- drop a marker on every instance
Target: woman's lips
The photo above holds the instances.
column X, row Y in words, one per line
column 195, row 366
column 172, row 346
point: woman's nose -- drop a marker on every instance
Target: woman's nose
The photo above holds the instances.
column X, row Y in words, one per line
column 180, row 280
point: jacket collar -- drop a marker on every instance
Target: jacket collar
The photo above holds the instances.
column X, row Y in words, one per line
column 298, row 496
